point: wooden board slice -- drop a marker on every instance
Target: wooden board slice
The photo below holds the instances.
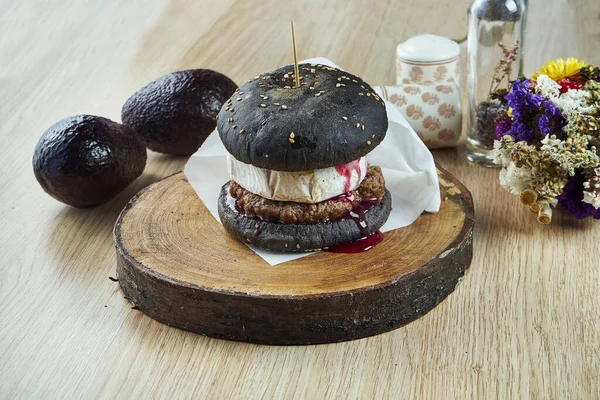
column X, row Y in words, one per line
column 177, row 265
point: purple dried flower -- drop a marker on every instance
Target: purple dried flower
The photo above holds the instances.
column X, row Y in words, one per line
column 571, row 199
column 521, row 131
column 524, row 103
column 551, row 121
column 502, row 127
column 525, row 108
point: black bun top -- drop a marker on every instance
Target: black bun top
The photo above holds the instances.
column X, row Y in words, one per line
column 333, row 118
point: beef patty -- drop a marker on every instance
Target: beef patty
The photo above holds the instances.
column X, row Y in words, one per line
column 373, row 186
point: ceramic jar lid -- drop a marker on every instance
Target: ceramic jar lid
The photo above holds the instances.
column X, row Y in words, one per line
column 428, row 49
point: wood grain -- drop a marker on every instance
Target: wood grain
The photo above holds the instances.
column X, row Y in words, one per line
column 522, row 324
column 176, row 263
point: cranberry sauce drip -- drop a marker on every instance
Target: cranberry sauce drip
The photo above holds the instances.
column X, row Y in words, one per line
column 360, row 245
column 367, row 241
column 237, row 206
column 358, row 215
column 347, row 197
column 346, row 170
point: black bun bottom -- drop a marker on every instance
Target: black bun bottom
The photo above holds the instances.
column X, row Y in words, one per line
column 296, row 238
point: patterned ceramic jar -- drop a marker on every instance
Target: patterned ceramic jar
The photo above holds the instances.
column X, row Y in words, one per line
column 426, row 60
column 433, row 111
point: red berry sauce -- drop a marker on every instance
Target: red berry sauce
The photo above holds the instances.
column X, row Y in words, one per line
column 367, row 241
column 346, row 170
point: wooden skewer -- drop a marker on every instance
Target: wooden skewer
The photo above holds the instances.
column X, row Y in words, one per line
column 296, row 69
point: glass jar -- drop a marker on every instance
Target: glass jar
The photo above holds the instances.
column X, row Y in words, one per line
column 491, row 23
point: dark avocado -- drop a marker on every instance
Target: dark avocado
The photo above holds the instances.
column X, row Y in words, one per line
column 176, row 112
column 86, row 160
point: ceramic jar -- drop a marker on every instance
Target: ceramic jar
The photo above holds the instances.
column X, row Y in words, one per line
column 427, row 59
column 433, row 111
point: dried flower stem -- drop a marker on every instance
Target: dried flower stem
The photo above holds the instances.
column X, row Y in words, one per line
column 545, row 214
column 504, row 68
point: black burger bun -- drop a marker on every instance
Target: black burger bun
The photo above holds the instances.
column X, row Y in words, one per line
column 333, row 118
column 295, row 238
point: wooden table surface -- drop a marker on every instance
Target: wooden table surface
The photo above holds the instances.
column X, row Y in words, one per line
column 523, row 323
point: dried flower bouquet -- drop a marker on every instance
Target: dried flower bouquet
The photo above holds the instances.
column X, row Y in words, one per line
column 548, row 140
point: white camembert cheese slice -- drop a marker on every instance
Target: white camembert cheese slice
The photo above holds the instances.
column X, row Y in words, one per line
column 301, row 187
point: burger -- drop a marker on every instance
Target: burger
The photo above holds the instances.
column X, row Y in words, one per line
column 300, row 180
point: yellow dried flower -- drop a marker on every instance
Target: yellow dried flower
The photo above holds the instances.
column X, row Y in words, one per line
column 528, row 197
column 560, row 69
column 535, row 208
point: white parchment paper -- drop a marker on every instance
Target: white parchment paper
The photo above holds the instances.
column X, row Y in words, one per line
column 407, row 166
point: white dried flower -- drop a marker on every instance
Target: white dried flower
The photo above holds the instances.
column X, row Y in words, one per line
column 514, row 179
column 592, row 198
column 547, row 87
column 498, row 155
column 552, row 144
column 573, row 102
